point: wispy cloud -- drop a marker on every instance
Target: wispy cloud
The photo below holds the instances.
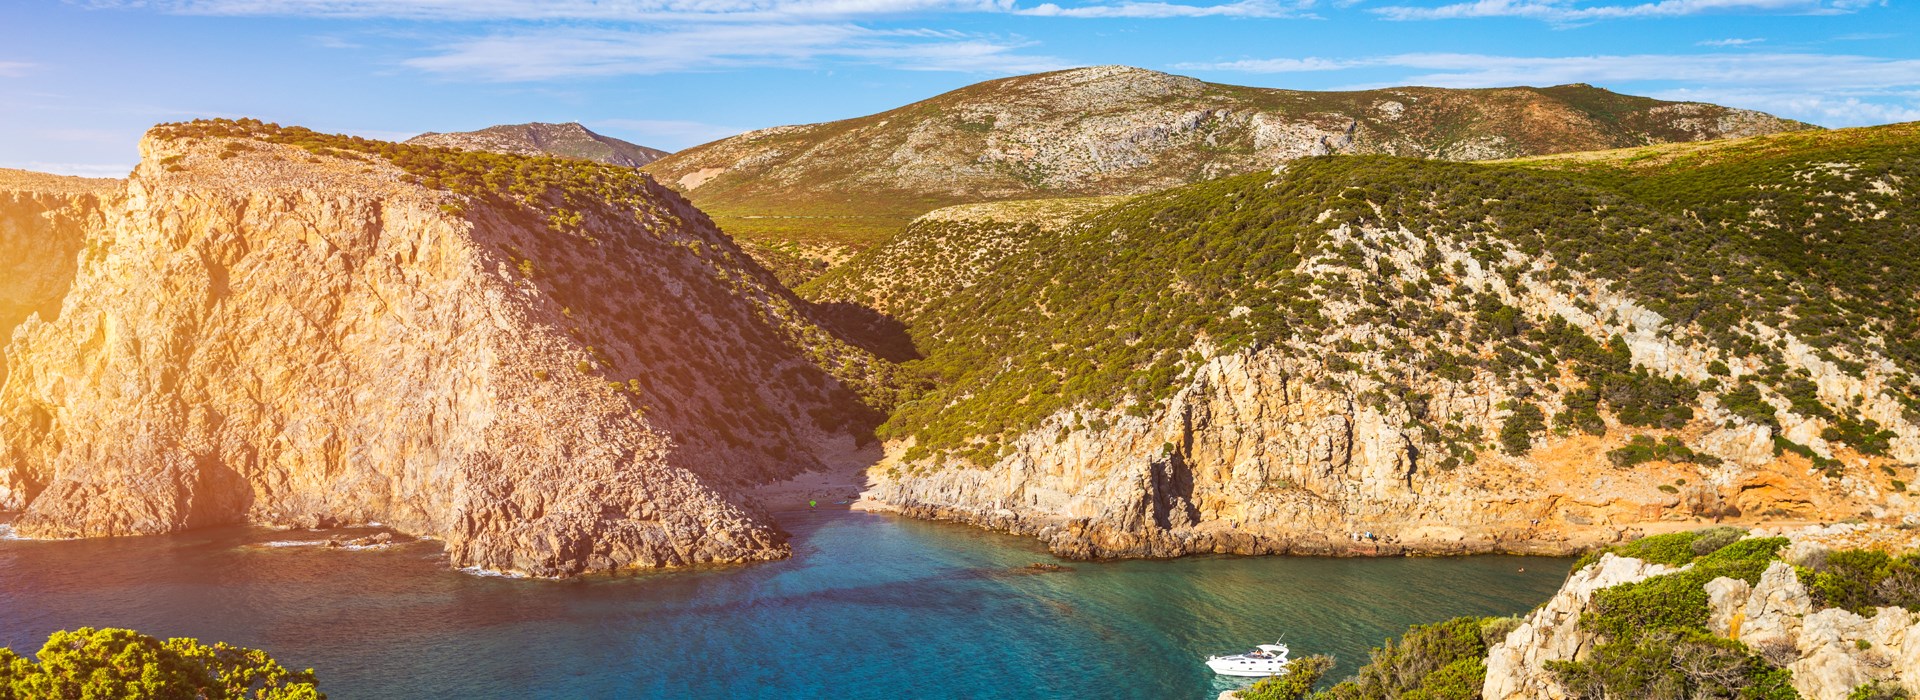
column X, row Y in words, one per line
column 666, row 133
column 1726, row 43
column 1153, row 10
column 651, row 11
column 14, row 69
column 664, row 11
column 1571, row 12
column 1834, row 90
column 540, row 54
column 76, row 169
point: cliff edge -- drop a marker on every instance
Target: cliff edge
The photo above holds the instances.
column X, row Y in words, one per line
column 554, row 366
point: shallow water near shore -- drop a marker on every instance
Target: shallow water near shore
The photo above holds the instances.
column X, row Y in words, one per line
column 870, row 606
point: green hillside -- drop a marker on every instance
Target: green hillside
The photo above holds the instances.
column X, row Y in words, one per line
column 1112, row 130
column 1808, row 233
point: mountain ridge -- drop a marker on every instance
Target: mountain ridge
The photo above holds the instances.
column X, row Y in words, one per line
column 1114, row 130
column 563, row 140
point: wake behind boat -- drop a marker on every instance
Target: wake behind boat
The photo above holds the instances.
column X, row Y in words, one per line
column 1264, row 660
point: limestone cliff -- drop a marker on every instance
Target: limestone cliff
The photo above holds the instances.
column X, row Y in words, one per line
column 1828, row 651
column 1359, row 381
column 273, row 327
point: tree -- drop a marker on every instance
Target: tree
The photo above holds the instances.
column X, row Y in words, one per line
column 116, row 663
column 1296, row 684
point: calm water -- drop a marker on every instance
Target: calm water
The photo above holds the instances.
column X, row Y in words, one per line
column 870, row 606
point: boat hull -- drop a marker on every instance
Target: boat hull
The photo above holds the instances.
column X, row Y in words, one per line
column 1244, row 670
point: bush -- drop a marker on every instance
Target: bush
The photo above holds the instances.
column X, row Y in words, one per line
column 1641, row 449
column 118, row 663
column 1674, row 664
column 1878, row 690
column 1862, row 580
column 1672, row 549
column 1440, row 661
column 1295, row 684
column 1516, row 434
column 1654, row 638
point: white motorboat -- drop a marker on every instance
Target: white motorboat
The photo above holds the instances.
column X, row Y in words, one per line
column 1264, row 660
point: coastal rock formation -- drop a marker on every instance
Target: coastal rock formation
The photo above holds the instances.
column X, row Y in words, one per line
column 1516, row 666
column 1114, row 130
column 283, row 328
column 569, row 140
column 1831, row 651
column 1250, row 366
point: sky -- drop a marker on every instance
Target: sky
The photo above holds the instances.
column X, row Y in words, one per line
column 80, row 80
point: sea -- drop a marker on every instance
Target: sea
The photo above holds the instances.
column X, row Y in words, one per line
column 870, row 606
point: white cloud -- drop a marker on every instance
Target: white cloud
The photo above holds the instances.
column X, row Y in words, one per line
column 658, row 11
column 1827, row 89
column 1155, row 10
column 570, row 10
column 1569, row 12
column 14, row 69
column 1818, row 109
column 541, row 54
column 1724, row 43
column 76, row 169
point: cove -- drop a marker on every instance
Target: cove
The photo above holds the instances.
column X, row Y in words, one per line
column 870, row 606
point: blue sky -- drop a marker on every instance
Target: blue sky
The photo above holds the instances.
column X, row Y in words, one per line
column 80, row 80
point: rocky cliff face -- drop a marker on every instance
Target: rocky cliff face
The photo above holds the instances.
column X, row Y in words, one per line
column 1516, row 667
column 253, row 332
column 569, row 140
column 1111, row 130
column 1830, row 652
column 1389, row 403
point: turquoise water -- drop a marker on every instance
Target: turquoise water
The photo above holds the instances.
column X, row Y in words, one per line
column 870, row 606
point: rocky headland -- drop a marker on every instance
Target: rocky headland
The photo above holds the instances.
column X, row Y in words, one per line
column 275, row 327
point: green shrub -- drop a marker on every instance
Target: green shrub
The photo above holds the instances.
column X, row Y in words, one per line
column 1440, row 661
column 1295, row 683
column 1862, row 580
column 1641, row 449
column 1521, row 424
column 1878, row 690
column 1671, row 549
column 1654, row 641
column 1674, row 664
column 116, row 663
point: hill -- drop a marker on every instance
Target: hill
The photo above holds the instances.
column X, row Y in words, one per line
column 1112, row 130
column 552, row 365
column 1523, row 356
column 569, row 140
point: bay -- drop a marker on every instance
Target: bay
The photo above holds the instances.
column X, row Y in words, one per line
column 870, row 606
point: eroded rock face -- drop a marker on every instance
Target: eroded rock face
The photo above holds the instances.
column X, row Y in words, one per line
column 287, row 339
column 1516, row 666
column 1830, row 652
column 1273, row 450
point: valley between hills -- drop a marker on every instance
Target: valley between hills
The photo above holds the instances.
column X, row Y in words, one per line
column 1125, row 313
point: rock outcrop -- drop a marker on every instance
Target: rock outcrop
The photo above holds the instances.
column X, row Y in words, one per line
column 1830, row 651
column 246, row 331
column 1516, row 666
column 569, row 140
